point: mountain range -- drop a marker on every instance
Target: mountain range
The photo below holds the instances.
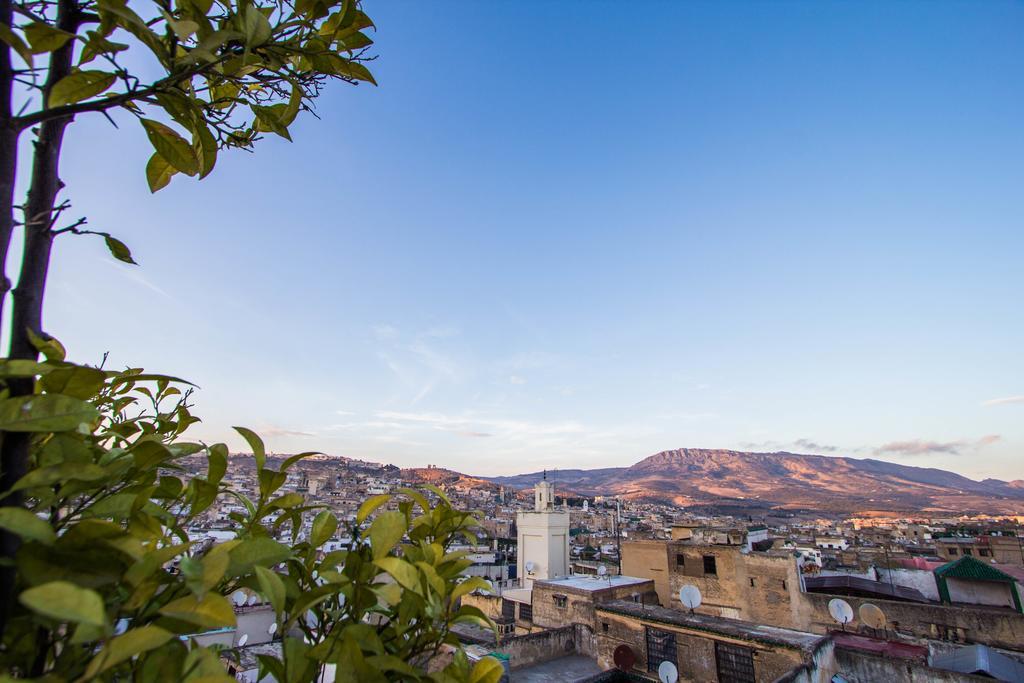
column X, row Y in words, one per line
column 697, row 476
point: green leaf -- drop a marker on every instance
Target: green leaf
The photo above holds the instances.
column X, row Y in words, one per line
column 257, row 27
column 15, row 41
column 125, row 646
column 45, row 413
column 172, row 147
column 218, row 463
column 272, row 587
column 119, row 250
column 45, row 38
column 158, row 172
column 403, row 572
column 76, row 381
column 468, row 586
column 387, row 530
column 206, row 149
column 259, row 451
column 47, row 345
column 324, row 526
column 65, row 601
column 78, row 86
column 23, row 368
column 369, row 505
column 27, row 525
column 487, row 670
column 271, row 119
column 212, row 611
column 260, row 551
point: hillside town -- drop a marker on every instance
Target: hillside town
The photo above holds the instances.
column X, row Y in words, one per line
column 599, row 588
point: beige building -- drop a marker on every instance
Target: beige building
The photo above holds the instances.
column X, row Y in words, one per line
column 543, row 538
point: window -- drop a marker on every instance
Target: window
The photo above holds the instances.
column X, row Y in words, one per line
column 680, row 560
column 968, row 551
column 525, row 611
column 709, row 566
column 784, row 586
column 983, row 552
column 952, row 551
column 561, row 600
column 735, row 663
column 604, row 626
column 508, row 608
column 661, row 646
column 751, row 583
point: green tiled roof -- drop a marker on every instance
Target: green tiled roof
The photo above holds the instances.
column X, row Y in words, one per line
column 970, row 567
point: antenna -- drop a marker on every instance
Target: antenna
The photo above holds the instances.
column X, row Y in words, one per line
column 243, row 640
column 689, row 595
column 840, row 611
column 872, row 616
column 667, row 672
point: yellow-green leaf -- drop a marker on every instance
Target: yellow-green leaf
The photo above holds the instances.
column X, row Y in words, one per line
column 486, row 670
column 45, row 413
column 158, row 172
column 172, row 147
column 27, row 525
column 119, row 249
column 369, row 505
column 78, row 86
column 126, row 646
column 259, row 451
column 212, row 611
column 45, row 38
column 272, row 587
column 324, row 526
column 64, row 601
column 14, row 40
column 403, row 572
column 387, row 530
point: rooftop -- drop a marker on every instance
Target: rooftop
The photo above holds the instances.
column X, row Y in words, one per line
column 589, row 582
column 733, row 628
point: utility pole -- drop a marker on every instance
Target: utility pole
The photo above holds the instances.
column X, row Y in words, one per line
column 618, row 541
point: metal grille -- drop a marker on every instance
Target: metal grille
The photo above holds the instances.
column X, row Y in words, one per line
column 525, row 611
column 661, row 646
column 508, row 608
column 735, row 664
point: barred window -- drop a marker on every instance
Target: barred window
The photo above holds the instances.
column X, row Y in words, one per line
column 710, row 566
column 661, row 647
column 525, row 611
column 735, row 663
column 560, row 600
column 508, row 608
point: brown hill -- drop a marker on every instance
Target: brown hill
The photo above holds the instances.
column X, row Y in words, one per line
column 691, row 476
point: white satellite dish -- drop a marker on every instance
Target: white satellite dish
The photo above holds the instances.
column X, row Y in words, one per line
column 602, row 570
column 120, row 627
column 243, row 640
column 840, row 611
column 667, row 672
column 530, row 565
column 238, row 597
column 252, row 600
column 690, row 597
column 272, row 629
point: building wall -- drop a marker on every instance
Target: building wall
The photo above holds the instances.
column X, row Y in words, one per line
column 579, row 605
column 649, row 559
column 980, row 592
column 860, row 667
column 543, row 538
column 918, row 579
column 695, row 651
column 955, row 624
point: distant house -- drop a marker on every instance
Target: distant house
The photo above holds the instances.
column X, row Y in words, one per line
column 969, row 581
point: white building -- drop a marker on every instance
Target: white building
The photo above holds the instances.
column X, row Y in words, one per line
column 543, row 537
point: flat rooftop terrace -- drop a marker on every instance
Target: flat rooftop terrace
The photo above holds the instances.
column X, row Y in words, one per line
column 587, row 582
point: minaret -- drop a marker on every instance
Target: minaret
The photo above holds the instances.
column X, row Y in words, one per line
column 543, row 536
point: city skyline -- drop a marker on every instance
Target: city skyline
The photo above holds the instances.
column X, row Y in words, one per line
column 578, row 242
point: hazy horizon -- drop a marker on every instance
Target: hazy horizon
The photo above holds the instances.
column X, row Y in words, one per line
column 553, row 237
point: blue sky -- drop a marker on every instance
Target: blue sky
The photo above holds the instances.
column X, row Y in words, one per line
column 572, row 234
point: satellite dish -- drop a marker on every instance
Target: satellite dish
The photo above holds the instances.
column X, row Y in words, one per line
column 252, row 600
column 667, row 672
column 690, row 597
column 243, row 640
column 602, row 570
column 272, row 629
column 871, row 615
column 624, row 658
column 120, row 627
column 530, row 565
column 238, row 597
column 840, row 611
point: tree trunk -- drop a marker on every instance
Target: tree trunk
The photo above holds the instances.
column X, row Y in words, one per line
column 8, row 154
column 28, row 295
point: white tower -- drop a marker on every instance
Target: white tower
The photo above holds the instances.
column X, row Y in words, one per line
column 543, row 537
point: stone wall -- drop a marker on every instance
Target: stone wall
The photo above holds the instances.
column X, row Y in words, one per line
column 998, row 628
column 860, row 667
column 648, row 559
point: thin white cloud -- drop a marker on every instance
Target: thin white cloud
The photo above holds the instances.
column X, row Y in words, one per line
column 925, row 447
column 1003, row 401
